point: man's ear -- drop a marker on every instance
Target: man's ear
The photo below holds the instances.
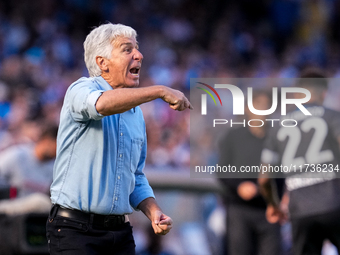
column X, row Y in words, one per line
column 102, row 63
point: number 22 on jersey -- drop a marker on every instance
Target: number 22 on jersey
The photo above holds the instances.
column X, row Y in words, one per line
column 314, row 153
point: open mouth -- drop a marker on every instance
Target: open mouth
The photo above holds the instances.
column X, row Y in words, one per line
column 135, row 70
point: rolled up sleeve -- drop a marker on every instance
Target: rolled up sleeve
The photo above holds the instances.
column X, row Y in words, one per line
column 141, row 192
column 91, row 105
column 82, row 98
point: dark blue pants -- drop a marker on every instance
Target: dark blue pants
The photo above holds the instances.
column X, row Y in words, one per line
column 68, row 236
column 249, row 233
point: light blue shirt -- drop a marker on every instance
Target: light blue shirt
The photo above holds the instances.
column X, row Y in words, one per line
column 100, row 159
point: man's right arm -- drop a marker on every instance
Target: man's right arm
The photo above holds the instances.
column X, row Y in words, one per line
column 268, row 190
column 123, row 99
column 267, row 185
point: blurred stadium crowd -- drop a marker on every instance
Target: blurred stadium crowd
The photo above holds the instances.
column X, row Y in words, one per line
column 41, row 54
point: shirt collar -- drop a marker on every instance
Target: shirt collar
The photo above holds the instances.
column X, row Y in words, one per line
column 103, row 83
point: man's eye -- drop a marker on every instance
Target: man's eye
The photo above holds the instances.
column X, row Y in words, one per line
column 127, row 49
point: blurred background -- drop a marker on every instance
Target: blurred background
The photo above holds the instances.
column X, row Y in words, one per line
column 41, row 54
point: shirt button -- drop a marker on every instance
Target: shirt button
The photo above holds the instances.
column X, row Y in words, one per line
column 116, row 198
column 118, row 177
column 121, row 134
column 120, row 155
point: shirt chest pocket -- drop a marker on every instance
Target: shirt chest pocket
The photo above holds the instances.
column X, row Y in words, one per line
column 136, row 150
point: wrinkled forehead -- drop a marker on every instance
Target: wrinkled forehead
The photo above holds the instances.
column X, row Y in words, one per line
column 123, row 40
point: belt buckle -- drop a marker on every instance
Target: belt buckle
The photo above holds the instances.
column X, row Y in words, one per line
column 107, row 222
column 112, row 221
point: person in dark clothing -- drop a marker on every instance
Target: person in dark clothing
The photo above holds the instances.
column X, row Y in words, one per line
column 248, row 232
column 312, row 147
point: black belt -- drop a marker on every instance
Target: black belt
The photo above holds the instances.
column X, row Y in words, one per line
column 105, row 221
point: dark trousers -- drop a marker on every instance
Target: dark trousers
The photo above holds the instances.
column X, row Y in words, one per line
column 309, row 233
column 68, row 236
column 249, row 233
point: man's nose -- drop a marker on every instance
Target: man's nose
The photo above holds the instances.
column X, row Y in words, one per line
column 138, row 55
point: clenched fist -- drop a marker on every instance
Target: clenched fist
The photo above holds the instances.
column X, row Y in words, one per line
column 176, row 99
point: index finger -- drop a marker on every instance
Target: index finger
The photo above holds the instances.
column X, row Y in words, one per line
column 187, row 104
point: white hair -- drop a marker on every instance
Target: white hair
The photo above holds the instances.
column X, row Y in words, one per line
column 99, row 43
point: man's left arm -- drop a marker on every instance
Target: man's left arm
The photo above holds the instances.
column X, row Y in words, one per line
column 142, row 198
